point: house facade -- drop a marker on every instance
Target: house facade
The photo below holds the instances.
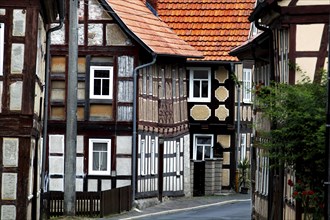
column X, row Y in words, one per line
column 23, row 27
column 291, row 34
column 132, row 125
column 214, row 28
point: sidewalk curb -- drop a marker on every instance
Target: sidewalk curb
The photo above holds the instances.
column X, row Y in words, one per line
column 185, row 209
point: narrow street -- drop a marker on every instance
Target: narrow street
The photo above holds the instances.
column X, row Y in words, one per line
column 238, row 210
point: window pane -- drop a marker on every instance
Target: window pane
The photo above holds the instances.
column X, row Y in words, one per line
column 196, row 88
column 199, row 155
column 105, row 87
column 204, row 89
column 97, row 87
column 204, row 140
column 96, row 161
column 207, row 152
column 100, row 147
column 102, row 73
column 201, row 74
column 103, row 161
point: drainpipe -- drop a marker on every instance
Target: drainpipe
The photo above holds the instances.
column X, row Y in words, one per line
column 135, row 87
column 238, row 130
column 271, row 209
column 46, row 97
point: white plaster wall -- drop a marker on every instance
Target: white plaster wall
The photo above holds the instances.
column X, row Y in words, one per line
column 80, row 144
column 56, row 184
column 307, row 65
column 124, row 166
column 10, row 152
column 56, row 165
column 79, row 185
column 124, row 144
column 8, row 186
column 56, row 144
column 106, row 185
column 16, row 96
column 186, row 166
column 304, row 2
column 92, row 185
column 19, row 22
column 313, row 2
column 17, row 58
column 8, row 212
column 309, row 37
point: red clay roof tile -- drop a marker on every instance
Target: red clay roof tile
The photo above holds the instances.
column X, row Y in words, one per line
column 150, row 30
column 211, row 26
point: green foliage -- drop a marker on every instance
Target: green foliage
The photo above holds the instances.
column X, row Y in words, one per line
column 297, row 137
column 243, row 167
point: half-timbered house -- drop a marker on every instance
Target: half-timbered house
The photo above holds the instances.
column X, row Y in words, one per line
column 291, row 33
column 132, row 117
column 214, row 27
column 23, row 27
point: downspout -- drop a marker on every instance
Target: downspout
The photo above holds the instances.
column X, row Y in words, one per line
column 46, row 97
column 134, row 156
column 271, row 209
column 238, row 127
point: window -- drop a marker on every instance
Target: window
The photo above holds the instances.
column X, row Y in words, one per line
column 203, row 147
column 247, row 85
column 101, row 82
column 200, row 84
column 2, row 37
column 99, row 156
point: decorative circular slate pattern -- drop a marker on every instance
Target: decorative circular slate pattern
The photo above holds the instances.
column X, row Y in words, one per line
column 222, row 113
column 221, row 93
column 200, row 112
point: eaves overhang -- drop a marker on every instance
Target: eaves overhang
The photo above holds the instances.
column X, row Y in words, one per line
column 148, row 30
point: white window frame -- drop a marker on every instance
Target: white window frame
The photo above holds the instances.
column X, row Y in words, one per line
column 91, row 88
column 196, row 136
column 2, row 44
column 90, row 154
column 191, row 85
column 247, row 85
